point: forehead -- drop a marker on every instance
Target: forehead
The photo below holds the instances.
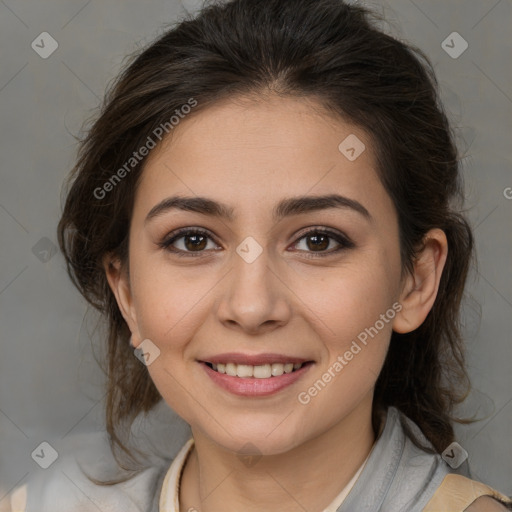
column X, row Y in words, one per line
column 252, row 153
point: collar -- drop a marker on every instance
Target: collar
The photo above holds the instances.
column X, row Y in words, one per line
column 169, row 496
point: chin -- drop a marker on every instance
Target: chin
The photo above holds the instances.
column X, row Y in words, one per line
column 262, row 439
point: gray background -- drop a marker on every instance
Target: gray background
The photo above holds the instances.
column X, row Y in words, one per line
column 50, row 386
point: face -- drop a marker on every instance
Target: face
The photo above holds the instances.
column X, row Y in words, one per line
column 306, row 281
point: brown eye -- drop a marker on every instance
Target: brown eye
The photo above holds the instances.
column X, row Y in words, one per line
column 194, row 241
column 318, row 240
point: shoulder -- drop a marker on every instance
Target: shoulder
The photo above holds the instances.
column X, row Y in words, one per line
column 458, row 492
column 64, row 486
column 487, row 504
column 424, row 481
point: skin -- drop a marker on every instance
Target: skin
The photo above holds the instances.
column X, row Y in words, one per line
column 251, row 154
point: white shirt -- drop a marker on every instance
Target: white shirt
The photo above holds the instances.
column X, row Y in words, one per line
column 169, row 497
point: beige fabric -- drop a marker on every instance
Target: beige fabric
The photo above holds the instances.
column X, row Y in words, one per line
column 169, row 496
column 457, row 492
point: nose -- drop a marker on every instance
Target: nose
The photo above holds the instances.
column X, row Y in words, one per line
column 255, row 297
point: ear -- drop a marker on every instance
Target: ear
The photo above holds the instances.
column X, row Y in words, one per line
column 119, row 282
column 420, row 287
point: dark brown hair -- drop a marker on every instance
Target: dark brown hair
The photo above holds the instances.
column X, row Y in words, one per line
column 324, row 50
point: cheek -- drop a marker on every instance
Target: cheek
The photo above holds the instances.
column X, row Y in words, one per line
column 352, row 297
column 354, row 314
column 172, row 303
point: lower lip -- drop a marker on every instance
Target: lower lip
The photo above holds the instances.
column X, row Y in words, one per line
column 250, row 386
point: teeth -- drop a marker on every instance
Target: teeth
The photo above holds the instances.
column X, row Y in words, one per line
column 231, row 369
column 244, row 370
column 263, row 371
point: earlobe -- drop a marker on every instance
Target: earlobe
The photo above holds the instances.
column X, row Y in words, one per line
column 420, row 287
column 119, row 283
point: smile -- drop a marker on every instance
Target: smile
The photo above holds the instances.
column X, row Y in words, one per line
column 255, row 381
column 263, row 371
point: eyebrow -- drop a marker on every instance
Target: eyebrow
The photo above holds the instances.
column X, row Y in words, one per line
column 285, row 208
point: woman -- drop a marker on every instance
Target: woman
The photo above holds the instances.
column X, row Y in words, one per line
column 264, row 211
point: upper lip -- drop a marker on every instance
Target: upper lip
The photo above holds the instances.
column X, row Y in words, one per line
column 253, row 360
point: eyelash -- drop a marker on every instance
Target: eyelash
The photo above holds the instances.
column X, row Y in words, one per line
column 344, row 241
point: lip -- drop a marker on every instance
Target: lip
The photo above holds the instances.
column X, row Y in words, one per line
column 253, row 360
column 253, row 387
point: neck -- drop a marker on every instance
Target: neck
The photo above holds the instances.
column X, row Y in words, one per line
column 216, row 479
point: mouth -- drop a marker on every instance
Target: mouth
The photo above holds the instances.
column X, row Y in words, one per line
column 263, row 371
column 260, row 380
